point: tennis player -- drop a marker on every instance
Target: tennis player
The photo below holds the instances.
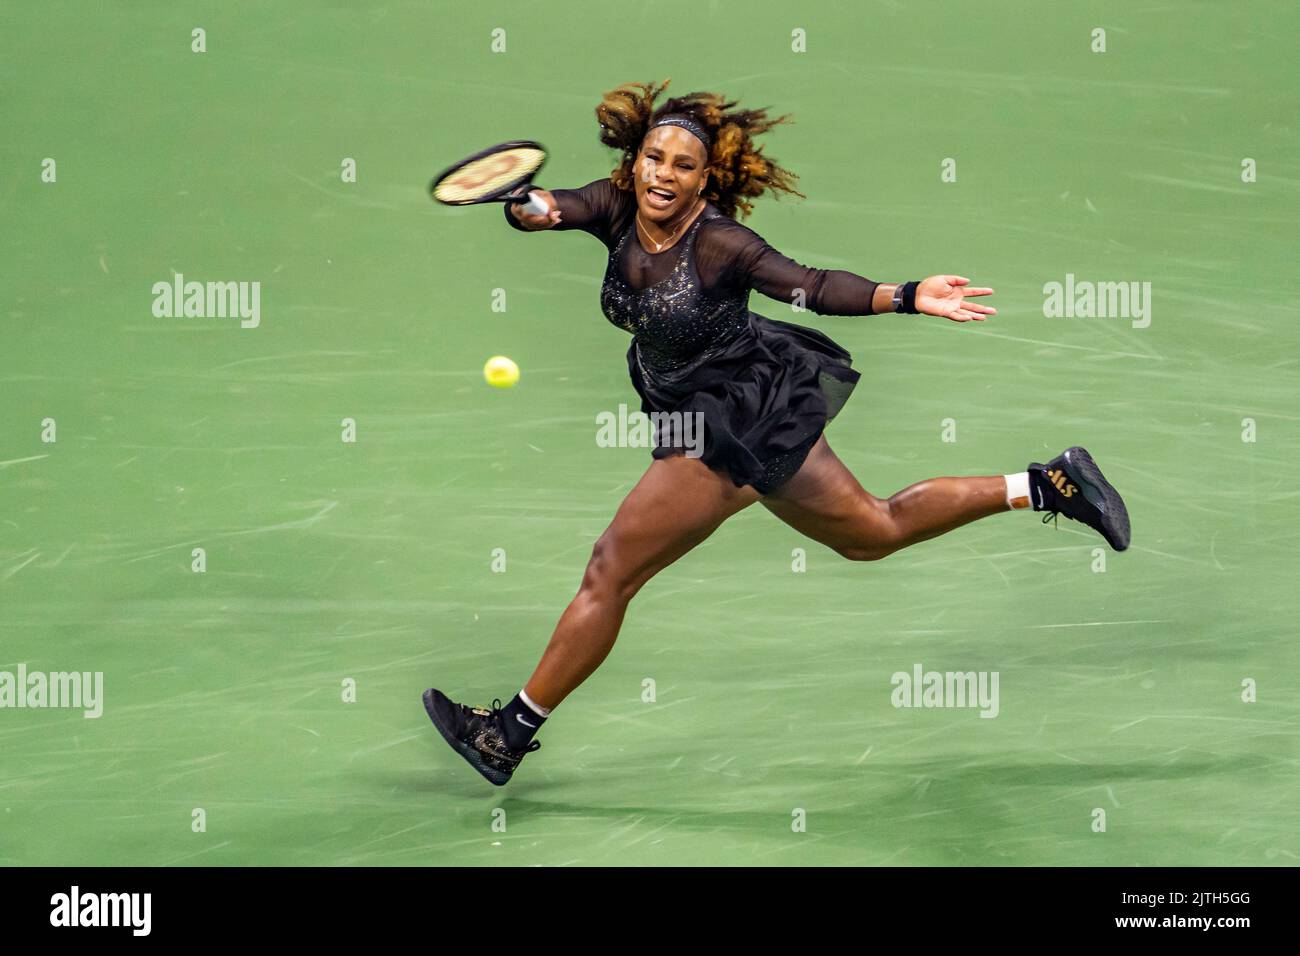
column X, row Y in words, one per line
column 679, row 275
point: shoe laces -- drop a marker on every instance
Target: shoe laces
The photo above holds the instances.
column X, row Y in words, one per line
column 1051, row 516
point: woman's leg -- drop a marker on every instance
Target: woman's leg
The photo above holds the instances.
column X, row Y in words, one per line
column 678, row 503
column 825, row 502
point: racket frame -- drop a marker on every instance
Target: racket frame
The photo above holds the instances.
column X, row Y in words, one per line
column 504, row 194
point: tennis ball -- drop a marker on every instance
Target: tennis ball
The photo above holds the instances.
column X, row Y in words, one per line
column 500, row 372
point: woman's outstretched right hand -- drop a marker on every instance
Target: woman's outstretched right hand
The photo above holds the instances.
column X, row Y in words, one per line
column 529, row 220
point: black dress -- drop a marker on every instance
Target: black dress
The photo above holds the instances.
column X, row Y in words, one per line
column 765, row 389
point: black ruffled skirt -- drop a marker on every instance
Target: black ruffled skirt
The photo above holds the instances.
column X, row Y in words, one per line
column 764, row 398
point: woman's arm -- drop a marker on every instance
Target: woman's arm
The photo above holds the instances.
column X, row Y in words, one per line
column 734, row 254
column 591, row 208
column 882, row 300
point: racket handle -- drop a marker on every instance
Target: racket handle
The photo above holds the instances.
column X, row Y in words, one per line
column 535, row 206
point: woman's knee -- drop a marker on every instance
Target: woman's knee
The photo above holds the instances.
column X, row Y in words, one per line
column 880, row 533
column 871, row 552
column 607, row 575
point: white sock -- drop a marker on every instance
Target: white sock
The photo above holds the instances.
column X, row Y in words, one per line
column 536, row 708
column 1018, row 491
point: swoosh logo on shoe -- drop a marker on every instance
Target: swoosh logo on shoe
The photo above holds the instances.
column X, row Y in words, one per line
column 524, row 722
column 1040, row 498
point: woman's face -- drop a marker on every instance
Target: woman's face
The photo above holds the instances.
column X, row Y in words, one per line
column 671, row 167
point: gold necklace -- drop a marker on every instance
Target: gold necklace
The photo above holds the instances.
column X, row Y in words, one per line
column 659, row 245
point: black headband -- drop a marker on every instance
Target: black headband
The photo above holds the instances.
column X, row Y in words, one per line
column 688, row 124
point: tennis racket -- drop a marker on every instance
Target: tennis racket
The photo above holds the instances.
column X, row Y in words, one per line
column 496, row 174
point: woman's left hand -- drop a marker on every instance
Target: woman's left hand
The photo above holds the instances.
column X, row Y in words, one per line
column 945, row 296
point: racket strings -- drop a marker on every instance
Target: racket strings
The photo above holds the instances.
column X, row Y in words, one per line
column 488, row 175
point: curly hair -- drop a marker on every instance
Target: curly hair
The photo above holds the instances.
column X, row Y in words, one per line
column 738, row 172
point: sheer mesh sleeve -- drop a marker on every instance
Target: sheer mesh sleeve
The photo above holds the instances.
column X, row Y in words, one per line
column 596, row 208
column 733, row 256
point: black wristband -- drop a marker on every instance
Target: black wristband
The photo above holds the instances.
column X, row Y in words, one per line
column 904, row 297
column 909, row 297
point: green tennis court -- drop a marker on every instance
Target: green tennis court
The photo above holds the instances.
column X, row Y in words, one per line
column 772, row 736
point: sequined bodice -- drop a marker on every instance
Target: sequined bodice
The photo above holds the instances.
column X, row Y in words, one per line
column 675, row 319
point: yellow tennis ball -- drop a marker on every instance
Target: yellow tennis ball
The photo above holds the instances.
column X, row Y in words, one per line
column 500, row 372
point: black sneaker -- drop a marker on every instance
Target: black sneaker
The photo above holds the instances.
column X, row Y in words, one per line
column 1071, row 484
column 477, row 735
